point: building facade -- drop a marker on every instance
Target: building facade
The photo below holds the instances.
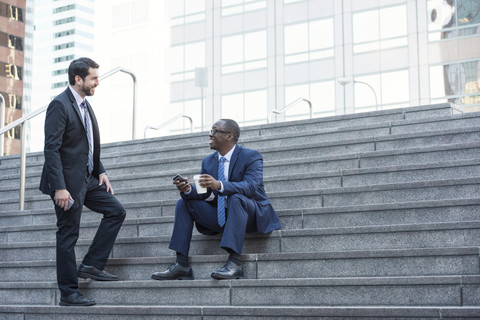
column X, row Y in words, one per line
column 12, row 35
column 63, row 30
column 245, row 58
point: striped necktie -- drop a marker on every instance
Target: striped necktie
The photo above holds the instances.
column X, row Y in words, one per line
column 88, row 130
column 221, row 199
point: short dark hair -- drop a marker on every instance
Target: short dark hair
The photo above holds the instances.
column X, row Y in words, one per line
column 232, row 126
column 79, row 67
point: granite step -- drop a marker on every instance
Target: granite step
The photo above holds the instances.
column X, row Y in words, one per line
column 429, row 113
column 155, row 217
column 107, row 312
column 428, row 235
column 341, row 196
column 304, row 174
column 372, row 263
column 154, row 312
column 313, row 136
column 446, row 291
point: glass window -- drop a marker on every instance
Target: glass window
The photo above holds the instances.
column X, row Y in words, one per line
column 186, row 11
column 385, row 90
column 320, row 94
column 309, row 41
column 256, row 107
column 184, row 59
column 454, row 18
column 244, row 52
column 366, row 92
column 395, row 87
column 322, row 97
column 380, row 29
column 232, row 7
column 296, row 38
column 194, row 55
column 246, row 108
column 194, row 6
column 255, row 45
column 232, row 107
column 457, row 82
column 232, row 49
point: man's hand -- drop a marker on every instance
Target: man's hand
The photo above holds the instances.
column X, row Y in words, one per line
column 61, row 198
column 207, row 181
column 104, row 179
column 182, row 186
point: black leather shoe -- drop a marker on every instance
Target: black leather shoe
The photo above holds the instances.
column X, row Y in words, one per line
column 174, row 272
column 229, row 271
column 76, row 299
column 95, row 274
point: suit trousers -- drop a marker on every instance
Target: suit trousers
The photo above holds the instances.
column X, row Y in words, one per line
column 97, row 199
column 240, row 218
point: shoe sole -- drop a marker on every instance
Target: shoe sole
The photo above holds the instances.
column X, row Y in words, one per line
column 66, row 304
column 218, row 277
column 176, row 278
column 91, row 276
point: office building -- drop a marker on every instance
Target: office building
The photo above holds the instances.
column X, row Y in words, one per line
column 254, row 56
column 12, row 35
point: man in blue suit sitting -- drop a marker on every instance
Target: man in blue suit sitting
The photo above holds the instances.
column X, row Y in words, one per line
column 240, row 191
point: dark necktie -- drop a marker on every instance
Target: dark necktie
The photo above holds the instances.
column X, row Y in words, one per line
column 221, row 199
column 88, row 130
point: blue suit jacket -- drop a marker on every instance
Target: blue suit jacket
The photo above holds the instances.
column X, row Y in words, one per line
column 245, row 176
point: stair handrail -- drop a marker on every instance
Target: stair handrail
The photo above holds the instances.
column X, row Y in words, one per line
column 24, row 119
column 178, row 116
column 290, row 105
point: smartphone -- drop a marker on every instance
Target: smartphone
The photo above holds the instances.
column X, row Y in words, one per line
column 179, row 178
column 70, row 202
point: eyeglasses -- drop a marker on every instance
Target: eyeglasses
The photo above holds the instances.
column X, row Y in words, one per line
column 213, row 131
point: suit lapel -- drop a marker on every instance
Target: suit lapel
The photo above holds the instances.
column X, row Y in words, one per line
column 74, row 104
column 233, row 160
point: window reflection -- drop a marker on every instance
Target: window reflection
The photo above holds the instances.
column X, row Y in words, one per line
column 453, row 18
column 456, row 82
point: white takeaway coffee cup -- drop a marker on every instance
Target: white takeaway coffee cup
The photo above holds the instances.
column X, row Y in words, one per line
column 199, row 188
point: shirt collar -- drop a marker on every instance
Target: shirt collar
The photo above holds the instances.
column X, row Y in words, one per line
column 227, row 156
column 77, row 97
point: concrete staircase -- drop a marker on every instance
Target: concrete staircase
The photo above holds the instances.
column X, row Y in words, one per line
column 380, row 214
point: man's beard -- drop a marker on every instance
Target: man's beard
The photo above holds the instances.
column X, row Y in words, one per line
column 86, row 91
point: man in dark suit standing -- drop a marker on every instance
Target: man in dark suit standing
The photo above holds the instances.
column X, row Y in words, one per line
column 235, row 203
column 73, row 176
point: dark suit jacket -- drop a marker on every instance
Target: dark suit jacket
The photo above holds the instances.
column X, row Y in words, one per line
column 66, row 146
column 245, row 176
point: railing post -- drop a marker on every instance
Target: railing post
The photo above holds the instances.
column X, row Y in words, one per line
column 23, row 160
column 2, row 123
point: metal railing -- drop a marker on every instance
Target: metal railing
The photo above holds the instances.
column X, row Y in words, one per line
column 22, row 121
column 2, row 121
column 290, row 105
column 178, row 116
